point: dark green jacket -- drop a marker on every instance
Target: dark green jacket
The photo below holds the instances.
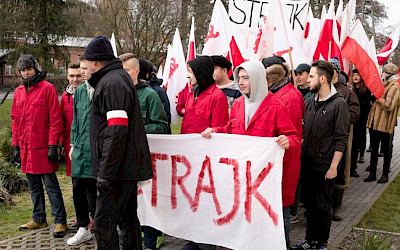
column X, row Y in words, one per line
column 80, row 138
column 153, row 114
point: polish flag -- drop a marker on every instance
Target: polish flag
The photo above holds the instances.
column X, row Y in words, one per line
column 117, row 117
column 191, row 51
column 311, row 35
column 160, row 72
column 348, row 21
column 389, row 46
column 357, row 49
column 236, row 57
column 338, row 16
column 176, row 74
column 329, row 37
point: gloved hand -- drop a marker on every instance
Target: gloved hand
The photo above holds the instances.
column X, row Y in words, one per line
column 52, row 153
column 16, row 154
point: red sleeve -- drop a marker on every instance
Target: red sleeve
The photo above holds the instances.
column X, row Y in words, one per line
column 56, row 128
column 285, row 126
column 64, row 118
column 182, row 101
column 15, row 119
column 220, row 114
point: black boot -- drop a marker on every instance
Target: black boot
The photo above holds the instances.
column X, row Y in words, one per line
column 371, row 177
column 383, row 179
column 337, row 198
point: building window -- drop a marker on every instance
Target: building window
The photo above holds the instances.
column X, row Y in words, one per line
column 8, row 70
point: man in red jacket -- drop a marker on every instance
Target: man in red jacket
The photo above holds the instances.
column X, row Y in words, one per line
column 74, row 77
column 259, row 113
column 277, row 78
column 206, row 105
column 36, row 130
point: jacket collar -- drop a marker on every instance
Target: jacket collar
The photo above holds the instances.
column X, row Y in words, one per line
column 112, row 65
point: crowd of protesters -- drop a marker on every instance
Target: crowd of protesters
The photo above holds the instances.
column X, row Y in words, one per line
column 111, row 103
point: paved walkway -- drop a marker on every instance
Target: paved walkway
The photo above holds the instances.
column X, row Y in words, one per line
column 357, row 201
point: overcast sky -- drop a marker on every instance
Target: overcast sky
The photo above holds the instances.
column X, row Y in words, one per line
column 392, row 8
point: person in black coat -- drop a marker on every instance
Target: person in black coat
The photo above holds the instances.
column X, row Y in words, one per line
column 120, row 151
column 359, row 131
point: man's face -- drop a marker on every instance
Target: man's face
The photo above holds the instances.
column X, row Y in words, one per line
column 244, row 82
column 301, row 79
column 314, row 80
column 191, row 76
column 132, row 69
column 74, row 77
column 85, row 70
column 218, row 74
column 356, row 78
column 92, row 66
column 26, row 73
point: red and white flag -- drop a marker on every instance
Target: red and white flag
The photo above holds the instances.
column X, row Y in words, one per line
column 328, row 43
column 311, row 35
column 264, row 44
column 357, row 49
column 219, row 35
column 191, row 51
column 348, row 20
column 175, row 74
column 339, row 14
column 389, row 46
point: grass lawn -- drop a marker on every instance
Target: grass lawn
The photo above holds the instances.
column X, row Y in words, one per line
column 5, row 111
column 385, row 213
column 12, row 216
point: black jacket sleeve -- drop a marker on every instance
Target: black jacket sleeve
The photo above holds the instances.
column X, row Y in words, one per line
column 115, row 98
column 342, row 126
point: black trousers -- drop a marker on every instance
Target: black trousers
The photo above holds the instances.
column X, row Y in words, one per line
column 383, row 138
column 318, row 204
column 359, row 142
column 117, row 205
column 84, row 194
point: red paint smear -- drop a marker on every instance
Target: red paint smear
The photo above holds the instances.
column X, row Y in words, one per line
column 179, row 179
column 154, row 192
column 231, row 215
column 251, row 189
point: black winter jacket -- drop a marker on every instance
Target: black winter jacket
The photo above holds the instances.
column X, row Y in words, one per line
column 326, row 126
column 119, row 152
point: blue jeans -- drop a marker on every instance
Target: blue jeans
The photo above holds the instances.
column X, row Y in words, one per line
column 286, row 223
column 35, row 183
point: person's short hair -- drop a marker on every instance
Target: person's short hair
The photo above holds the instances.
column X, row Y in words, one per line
column 324, row 68
column 74, row 65
column 125, row 57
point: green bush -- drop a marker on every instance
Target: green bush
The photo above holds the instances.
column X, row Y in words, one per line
column 59, row 81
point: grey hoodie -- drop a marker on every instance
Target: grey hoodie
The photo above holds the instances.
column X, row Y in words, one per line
column 258, row 87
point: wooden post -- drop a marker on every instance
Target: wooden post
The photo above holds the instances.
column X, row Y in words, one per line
column 351, row 76
column 291, row 66
column 329, row 51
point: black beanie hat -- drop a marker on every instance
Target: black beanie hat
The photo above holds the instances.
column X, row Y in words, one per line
column 355, row 71
column 27, row 62
column 271, row 60
column 222, row 62
column 99, row 49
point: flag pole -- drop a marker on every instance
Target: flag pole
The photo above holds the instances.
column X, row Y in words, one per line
column 290, row 53
column 329, row 51
column 351, row 76
column 291, row 66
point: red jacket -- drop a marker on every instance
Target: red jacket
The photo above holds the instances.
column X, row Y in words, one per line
column 209, row 109
column 294, row 103
column 36, row 123
column 67, row 113
column 182, row 97
column 270, row 120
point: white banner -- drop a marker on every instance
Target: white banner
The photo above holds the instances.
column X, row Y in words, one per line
column 224, row 191
column 245, row 15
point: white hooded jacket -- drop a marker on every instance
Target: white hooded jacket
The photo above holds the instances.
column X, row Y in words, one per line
column 258, row 87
